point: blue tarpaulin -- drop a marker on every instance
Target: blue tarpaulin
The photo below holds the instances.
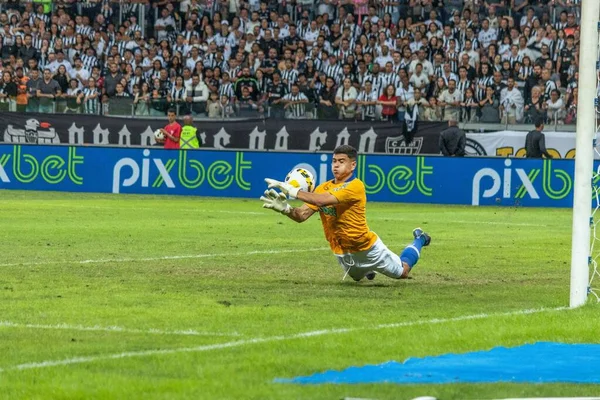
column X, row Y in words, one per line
column 531, row 363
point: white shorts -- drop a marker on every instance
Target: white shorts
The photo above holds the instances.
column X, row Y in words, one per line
column 378, row 258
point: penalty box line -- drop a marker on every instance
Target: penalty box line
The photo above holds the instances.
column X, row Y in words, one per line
column 259, row 340
column 182, row 257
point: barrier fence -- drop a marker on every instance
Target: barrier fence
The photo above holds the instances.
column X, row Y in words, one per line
column 278, row 135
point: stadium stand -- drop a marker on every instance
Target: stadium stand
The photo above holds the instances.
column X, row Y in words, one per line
column 498, row 61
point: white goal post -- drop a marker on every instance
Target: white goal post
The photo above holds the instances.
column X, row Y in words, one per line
column 583, row 219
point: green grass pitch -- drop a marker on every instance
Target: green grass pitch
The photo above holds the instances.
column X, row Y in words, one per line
column 127, row 297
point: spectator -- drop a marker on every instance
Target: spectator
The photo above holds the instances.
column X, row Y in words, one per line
column 345, row 99
column 295, row 103
column 536, row 107
column 327, row 100
column 141, row 99
column 417, row 101
column 213, row 106
column 47, row 91
column 21, row 82
column 273, row 96
column 227, row 109
column 432, row 111
column 571, row 107
column 33, row 102
column 177, row 96
column 555, row 107
column 8, row 93
column 389, row 103
column 366, row 102
column 453, row 140
column 469, row 107
column 246, row 105
column 111, row 79
column 196, row 96
column 73, row 96
column 511, row 103
column 450, row 100
column 91, row 97
column 489, row 107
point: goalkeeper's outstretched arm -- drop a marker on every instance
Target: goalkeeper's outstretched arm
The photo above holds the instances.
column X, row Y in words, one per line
column 317, row 199
column 300, row 214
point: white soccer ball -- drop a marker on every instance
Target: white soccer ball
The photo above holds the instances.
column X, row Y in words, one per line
column 302, row 179
column 159, row 135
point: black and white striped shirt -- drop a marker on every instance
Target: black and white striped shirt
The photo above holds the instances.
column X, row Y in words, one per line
column 188, row 35
column 485, row 81
column 378, row 83
column 334, row 71
column 462, row 86
column 134, row 28
column 515, row 59
column 177, row 93
column 549, row 86
column 85, row 30
column 69, row 41
column 89, row 61
column 391, row 79
column 452, row 58
column 368, row 110
column 91, row 106
column 122, row 46
column 297, row 110
column 291, row 76
column 36, row 42
column 43, row 17
column 226, row 89
column 558, row 46
column 526, row 71
column 302, row 30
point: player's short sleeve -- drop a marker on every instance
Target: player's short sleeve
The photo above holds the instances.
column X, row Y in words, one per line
column 312, row 207
column 351, row 193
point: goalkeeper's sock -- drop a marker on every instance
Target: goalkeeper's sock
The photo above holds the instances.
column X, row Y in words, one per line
column 410, row 255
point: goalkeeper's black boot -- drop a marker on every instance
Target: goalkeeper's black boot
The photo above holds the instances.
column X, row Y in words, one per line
column 425, row 238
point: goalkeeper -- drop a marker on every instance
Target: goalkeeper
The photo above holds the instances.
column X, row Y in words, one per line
column 341, row 203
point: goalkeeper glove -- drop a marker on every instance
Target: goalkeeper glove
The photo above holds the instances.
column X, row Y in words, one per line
column 276, row 201
column 286, row 188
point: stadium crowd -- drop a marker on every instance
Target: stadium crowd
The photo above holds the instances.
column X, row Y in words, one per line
column 469, row 60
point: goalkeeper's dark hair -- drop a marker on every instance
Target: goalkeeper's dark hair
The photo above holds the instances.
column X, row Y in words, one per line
column 347, row 150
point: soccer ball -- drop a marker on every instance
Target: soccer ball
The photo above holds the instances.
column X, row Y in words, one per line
column 301, row 178
column 159, row 135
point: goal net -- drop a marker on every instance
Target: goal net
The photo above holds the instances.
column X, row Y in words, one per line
column 594, row 283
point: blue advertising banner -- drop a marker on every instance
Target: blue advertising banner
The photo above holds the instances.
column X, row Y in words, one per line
column 388, row 178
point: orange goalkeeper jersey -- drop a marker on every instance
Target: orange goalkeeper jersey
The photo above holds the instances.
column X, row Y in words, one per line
column 345, row 223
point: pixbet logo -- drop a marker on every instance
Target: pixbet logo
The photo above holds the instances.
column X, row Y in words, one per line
column 53, row 169
column 190, row 173
column 527, row 180
column 400, row 180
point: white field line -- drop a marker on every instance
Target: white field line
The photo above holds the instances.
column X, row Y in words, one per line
column 259, row 340
column 96, row 328
column 183, row 257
